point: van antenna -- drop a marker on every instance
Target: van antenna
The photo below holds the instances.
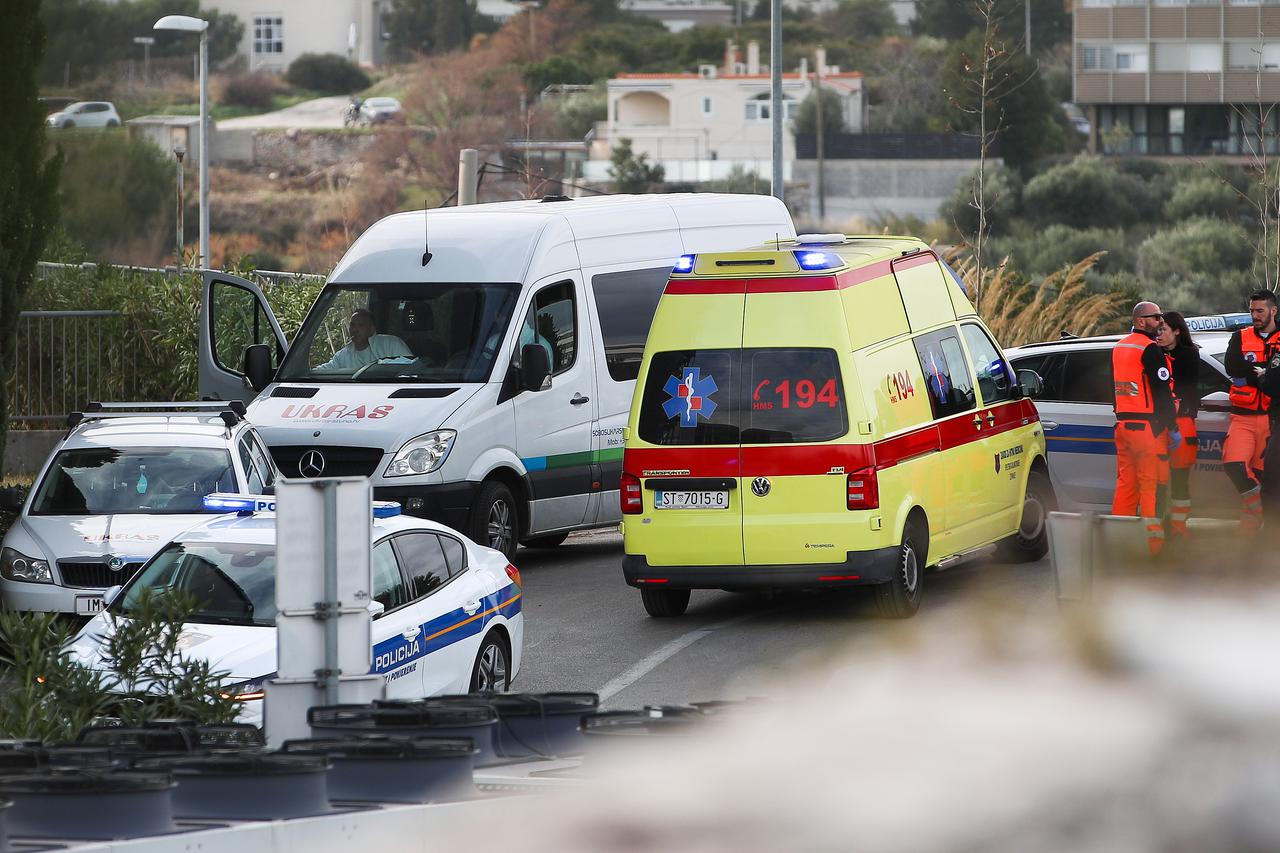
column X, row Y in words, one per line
column 426, row 235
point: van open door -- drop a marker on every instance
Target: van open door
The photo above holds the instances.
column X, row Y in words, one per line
column 234, row 315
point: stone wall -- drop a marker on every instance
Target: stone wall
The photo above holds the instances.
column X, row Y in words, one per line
column 868, row 188
column 26, row 449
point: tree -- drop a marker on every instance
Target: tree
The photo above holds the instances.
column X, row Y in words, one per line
column 452, row 30
column 806, row 120
column 862, row 19
column 954, row 19
column 28, row 178
column 944, row 19
column 630, row 173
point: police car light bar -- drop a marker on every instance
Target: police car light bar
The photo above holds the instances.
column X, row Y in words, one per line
column 817, row 260
column 685, row 263
column 385, row 509
column 226, row 502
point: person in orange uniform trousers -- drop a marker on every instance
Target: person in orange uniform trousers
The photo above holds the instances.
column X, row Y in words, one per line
column 1184, row 355
column 1145, row 411
column 1247, row 355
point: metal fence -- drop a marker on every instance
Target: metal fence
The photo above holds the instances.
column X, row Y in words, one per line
column 890, row 146
column 45, row 269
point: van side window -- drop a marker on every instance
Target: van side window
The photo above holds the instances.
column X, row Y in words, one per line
column 994, row 382
column 625, row 303
column 236, row 320
column 552, row 322
column 946, row 374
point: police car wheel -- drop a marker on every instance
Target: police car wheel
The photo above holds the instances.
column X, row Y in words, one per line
column 665, row 603
column 495, row 521
column 492, row 670
column 899, row 597
column 551, row 541
column 1031, row 542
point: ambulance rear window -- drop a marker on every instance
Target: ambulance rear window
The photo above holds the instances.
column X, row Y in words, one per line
column 747, row 396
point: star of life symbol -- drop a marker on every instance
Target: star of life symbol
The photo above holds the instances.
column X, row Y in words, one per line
column 690, row 396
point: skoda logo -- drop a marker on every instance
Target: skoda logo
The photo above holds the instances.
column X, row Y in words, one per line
column 115, row 564
column 311, row 464
column 760, row 486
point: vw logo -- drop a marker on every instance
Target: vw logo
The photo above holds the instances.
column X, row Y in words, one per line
column 760, row 486
column 115, row 564
column 311, row 464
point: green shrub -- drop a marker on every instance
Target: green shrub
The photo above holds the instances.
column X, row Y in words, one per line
column 257, row 90
column 1041, row 252
column 578, row 113
column 1085, row 193
column 117, row 195
column 1201, row 265
column 1205, row 196
column 1003, row 195
column 327, row 73
column 552, row 71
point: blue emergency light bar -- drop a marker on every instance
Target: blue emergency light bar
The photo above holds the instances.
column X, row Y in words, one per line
column 224, row 502
column 685, row 263
column 818, row 260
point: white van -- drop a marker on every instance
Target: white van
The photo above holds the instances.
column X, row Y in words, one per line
column 501, row 344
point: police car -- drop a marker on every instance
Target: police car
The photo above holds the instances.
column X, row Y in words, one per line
column 125, row 478
column 446, row 612
column 1076, row 411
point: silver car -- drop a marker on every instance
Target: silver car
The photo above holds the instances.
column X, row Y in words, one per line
column 86, row 114
column 1076, row 409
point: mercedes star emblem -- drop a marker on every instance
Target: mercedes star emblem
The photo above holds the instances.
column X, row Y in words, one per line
column 760, row 486
column 311, row 464
column 115, row 564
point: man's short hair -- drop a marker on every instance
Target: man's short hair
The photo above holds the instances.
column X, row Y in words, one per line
column 362, row 312
column 1264, row 295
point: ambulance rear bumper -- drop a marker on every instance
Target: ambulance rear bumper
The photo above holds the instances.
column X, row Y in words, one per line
column 859, row 567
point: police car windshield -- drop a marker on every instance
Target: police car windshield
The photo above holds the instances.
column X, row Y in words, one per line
column 401, row 333
column 133, row 480
column 230, row 584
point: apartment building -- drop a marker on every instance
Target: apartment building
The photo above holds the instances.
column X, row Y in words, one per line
column 1178, row 77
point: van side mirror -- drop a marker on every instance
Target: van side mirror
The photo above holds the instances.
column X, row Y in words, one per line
column 535, row 367
column 257, row 365
column 11, row 499
column 1030, row 383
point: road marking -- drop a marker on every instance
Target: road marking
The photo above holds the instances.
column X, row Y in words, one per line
column 652, row 661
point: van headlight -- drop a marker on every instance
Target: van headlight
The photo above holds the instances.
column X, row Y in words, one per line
column 16, row 566
column 422, row 455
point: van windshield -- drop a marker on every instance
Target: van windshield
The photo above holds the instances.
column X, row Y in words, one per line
column 401, row 333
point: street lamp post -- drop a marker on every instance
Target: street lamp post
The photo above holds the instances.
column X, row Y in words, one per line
column 188, row 24
column 180, row 151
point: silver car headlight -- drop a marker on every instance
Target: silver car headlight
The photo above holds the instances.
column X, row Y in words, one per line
column 16, row 566
column 422, row 455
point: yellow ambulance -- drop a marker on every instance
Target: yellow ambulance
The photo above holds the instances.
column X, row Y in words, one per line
column 821, row 412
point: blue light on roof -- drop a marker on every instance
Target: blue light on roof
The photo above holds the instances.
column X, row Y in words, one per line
column 222, row 502
column 818, row 260
column 385, row 509
column 685, row 264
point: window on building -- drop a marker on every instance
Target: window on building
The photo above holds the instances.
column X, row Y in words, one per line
column 1247, row 55
column 268, row 34
column 1113, row 57
column 758, row 108
column 706, row 106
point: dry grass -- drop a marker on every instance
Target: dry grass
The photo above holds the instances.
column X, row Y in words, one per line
column 1019, row 311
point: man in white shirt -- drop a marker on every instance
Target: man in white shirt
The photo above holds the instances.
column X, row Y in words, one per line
column 366, row 346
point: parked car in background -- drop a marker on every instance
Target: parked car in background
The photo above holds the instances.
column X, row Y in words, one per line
column 86, row 114
column 381, row 111
column 55, row 103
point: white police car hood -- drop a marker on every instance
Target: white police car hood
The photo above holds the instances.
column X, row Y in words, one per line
column 244, row 652
column 134, row 537
column 355, row 415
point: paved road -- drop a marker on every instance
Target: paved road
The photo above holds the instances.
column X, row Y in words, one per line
column 321, row 112
column 586, row 630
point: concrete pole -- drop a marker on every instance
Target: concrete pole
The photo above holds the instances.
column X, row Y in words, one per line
column 468, row 175
column 205, row 259
column 179, row 153
column 820, row 60
column 775, row 91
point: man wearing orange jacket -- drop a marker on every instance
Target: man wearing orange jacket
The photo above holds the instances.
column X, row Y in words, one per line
column 1145, row 412
column 1246, row 359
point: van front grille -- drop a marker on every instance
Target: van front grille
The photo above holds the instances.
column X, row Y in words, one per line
column 334, row 461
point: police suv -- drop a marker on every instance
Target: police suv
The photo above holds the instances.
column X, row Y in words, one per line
column 120, row 484
column 446, row 612
column 1076, row 406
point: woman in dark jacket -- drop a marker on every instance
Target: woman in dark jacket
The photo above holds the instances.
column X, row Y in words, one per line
column 1186, row 387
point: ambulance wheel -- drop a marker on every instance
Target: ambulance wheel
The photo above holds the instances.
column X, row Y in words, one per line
column 899, row 597
column 495, row 520
column 552, row 541
column 492, row 670
column 1031, row 542
column 664, row 603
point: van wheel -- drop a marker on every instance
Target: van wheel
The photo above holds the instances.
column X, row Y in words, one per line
column 552, row 541
column 899, row 597
column 665, row 603
column 1031, row 541
column 495, row 520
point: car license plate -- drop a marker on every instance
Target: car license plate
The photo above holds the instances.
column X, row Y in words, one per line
column 88, row 605
column 690, row 500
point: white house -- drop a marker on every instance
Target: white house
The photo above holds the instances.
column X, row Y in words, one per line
column 678, row 15
column 699, row 126
column 276, row 32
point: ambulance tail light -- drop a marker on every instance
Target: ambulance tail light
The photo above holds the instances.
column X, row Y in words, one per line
column 863, row 489
column 630, row 494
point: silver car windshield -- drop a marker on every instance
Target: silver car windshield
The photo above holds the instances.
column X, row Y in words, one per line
column 133, row 481
column 230, row 584
column 401, row 333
